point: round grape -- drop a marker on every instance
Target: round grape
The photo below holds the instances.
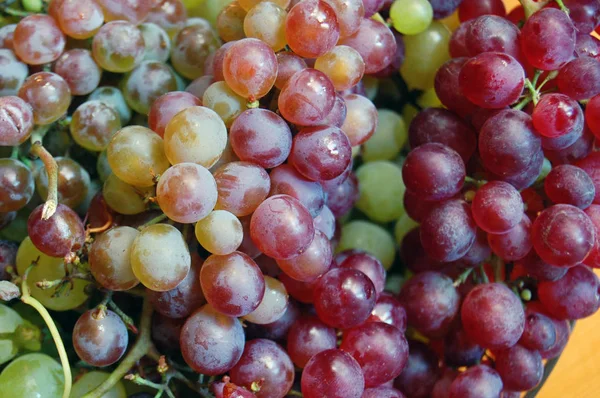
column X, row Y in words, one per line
column 100, row 337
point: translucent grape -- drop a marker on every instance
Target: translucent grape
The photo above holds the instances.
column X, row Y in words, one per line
column 16, row 120
column 343, row 65
column 557, row 115
column 273, row 304
column 220, row 232
column 480, row 380
column 242, row 187
column 389, row 138
column 165, row 107
column 369, row 237
column 266, row 22
column 160, row 258
column 12, row 73
column 288, row 64
column 223, row 100
column 361, row 119
column 118, row 46
column 124, row 198
column 89, row 381
column 311, row 28
column 333, row 373
column 190, row 48
column 136, row 154
column 38, row 39
column 349, row 14
column 73, row 182
column 109, row 258
column 80, row 19
column 312, row 262
column 113, row 97
column 16, row 185
column 49, row 96
column 230, row 22
column 380, row 185
column 411, row 17
column 375, row 43
column 32, row 375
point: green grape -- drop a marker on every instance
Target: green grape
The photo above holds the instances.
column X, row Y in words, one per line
column 221, row 99
column 410, row 17
column 102, row 167
column 381, row 191
column 370, row 237
column 32, row 375
column 403, row 226
column 93, row 379
column 546, row 167
column 389, row 138
column 49, row 268
column 17, row 229
column 209, row 10
column 425, row 53
column 429, row 99
column 220, row 232
column 9, row 321
column 408, row 113
column 124, row 198
column 113, row 97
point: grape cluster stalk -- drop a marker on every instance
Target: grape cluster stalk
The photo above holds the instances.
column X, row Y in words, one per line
column 313, row 198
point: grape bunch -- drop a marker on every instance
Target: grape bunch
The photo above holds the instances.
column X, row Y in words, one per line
column 317, row 198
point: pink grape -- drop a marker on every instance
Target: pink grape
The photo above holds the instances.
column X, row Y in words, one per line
column 312, row 262
column 570, row 185
column 332, row 373
column 497, row 207
column 286, row 180
column 59, row 235
column 16, row 120
column 100, row 338
column 375, row 42
column 242, row 187
column 307, row 337
column 514, row 244
column 361, row 119
column 479, row 381
column 168, row 105
column 311, row 28
column 38, row 40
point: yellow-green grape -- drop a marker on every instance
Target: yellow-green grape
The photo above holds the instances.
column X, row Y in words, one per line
column 404, row 225
column 9, row 321
column 93, row 379
column 192, row 4
column 221, row 99
column 452, row 22
column 93, row 124
column 109, row 258
column 429, row 99
column 197, row 135
column 50, row 269
column 220, row 232
column 266, row 21
column 546, row 167
column 273, row 305
column 410, row 17
column 343, row 65
column 102, row 167
column 371, row 86
column 160, row 258
column 356, row 150
column 124, row 198
column 408, row 113
column 209, row 10
column 370, row 237
column 249, row 4
column 136, row 155
column 32, row 375
column 381, row 190
column 389, row 138
column 425, row 53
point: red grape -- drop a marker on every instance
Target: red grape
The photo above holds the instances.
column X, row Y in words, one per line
column 307, row 337
column 520, row 369
column 100, row 337
column 479, row 381
column 334, row 374
column 59, row 235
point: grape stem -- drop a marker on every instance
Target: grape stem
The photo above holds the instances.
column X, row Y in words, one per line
column 484, row 276
column 462, row 278
column 126, row 318
column 532, row 6
column 295, row 393
column 38, row 150
column 498, row 266
column 60, row 347
column 141, row 347
column 562, row 6
column 155, row 220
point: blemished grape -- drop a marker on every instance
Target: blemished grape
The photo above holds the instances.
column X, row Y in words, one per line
column 93, row 125
column 124, row 198
column 16, row 185
column 242, row 187
column 460, row 350
column 38, row 40
column 7, row 34
column 273, row 304
column 266, row 361
column 333, row 373
column 420, row 373
column 134, row 11
column 520, row 369
column 220, row 232
column 109, row 258
column 112, row 97
column 514, row 244
column 232, row 284
column 136, row 155
column 160, row 257
column 147, row 82
column 157, row 44
column 191, row 47
column 361, row 119
column 479, row 381
column 33, row 375
column 89, row 381
column 411, row 17
column 184, row 299
column 230, row 22
column 100, row 337
column 165, row 107
column 492, row 33
column 73, row 182
column 59, row 235
column 211, row 343
column 307, row 337
column 344, row 298
column 223, row 100
column 343, row 65
column 381, row 350
column 171, row 15
column 16, row 120
column 185, row 141
column 12, row 73
column 389, row 310
column 492, row 315
column 49, row 96
column 570, row 185
column 80, row 19
column 497, row 207
column 286, row 180
column 118, row 46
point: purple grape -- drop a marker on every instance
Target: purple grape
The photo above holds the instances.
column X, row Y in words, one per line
column 460, row 350
column 479, row 381
column 421, row 371
column 514, row 244
column 333, row 374
column 497, row 207
column 570, row 185
column 491, row 33
column 580, row 78
column 520, row 369
column 539, row 333
column 309, row 336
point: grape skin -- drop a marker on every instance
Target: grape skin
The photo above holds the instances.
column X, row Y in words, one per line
column 100, row 339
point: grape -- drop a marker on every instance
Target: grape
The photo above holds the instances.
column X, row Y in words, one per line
column 390, row 311
column 93, row 125
column 470, row 9
column 420, row 373
column 211, row 343
column 8, row 256
column 147, row 82
column 220, row 98
column 109, row 258
column 247, row 246
column 579, row 78
column 520, row 368
column 7, row 34
column 425, row 53
column 369, row 237
column 230, row 22
column 492, row 80
column 11, row 320
column 341, row 193
column 563, row 330
column 539, row 333
column 589, row 163
column 301, row 291
column 587, row 46
column 447, row 88
column 479, row 381
column 497, row 207
column 557, row 115
column 242, row 187
column 232, row 284
column 411, row 17
column 171, row 15
column 307, row 97
column 307, row 337
column 539, row 269
column 548, row 39
column 186, row 142
column 118, row 46
column 191, row 47
column 375, row 43
column 530, row 174
column 38, row 39
column 124, row 198
column 492, row 316
column 33, row 375
column 349, row 15
column 492, row 33
column 444, row 8
column 250, row 68
column 314, row 261
column 389, row 138
column 157, row 44
column 514, row 244
column 361, row 119
column 160, row 258
column 100, row 337
column 585, row 14
column 431, row 302
column 442, row 386
column 49, row 96
column 80, row 19
column 593, row 259
column 73, row 182
column 16, row 120
column 508, row 143
column 563, row 141
column 266, row 22
column 165, row 107
column 79, row 70
column 344, row 298
column 332, row 373
column 285, row 179
column 311, row 28
column 569, row 185
column 367, row 264
column 49, row 268
column 12, row 73
column 343, row 65
column 380, row 349
column 220, row 232
column 16, row 185
column 444, row 127
column 458, row 41
column 460, row 350
column 89, row 381
column 59, row 235
column 273, row 305
column 113, row 97
column 288, row 64
column 279, row 329
column 267, row 362
column 134, row 11
column 281, row 227
column 136, row 154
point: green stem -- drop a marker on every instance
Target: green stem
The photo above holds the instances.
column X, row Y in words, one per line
column 498, row 266
column 536, row 77
column 483, row 274
column 531, row 6
column 15, row 152
column 155, row 220
column 38, row 150
column 550, row 76
column 463, row 277
column 535, row 95
column 562, row 6
column 524, row 102
column 295, row 393
column 126, row 318
column 60, row 347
